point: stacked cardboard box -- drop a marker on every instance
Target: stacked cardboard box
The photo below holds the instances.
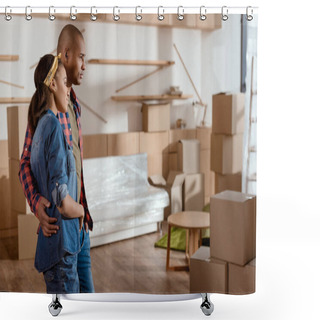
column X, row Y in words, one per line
column 155, row 117
column 226, row 140
column 21, row 214
column 7, row 223
column 229, row 265
column 185, row 185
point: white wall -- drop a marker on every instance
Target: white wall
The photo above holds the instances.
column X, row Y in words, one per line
column 212, row 59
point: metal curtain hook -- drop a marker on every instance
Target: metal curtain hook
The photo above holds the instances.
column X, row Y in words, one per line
column 51, row 16
column 8, row 17
column 203, row 15
column 249, row 16
column 180, row 16
column 138, row 16
column 224, row 13
column 28, row 13
column 160, row 16
column 116, row 17
column 93, row 17
column 73, row 15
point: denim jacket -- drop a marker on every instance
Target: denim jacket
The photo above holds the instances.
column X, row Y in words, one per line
column 53, row 167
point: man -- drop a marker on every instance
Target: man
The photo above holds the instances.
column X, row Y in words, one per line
column 72, row 48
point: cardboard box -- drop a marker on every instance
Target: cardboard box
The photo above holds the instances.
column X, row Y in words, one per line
column 228, row 113
column 4, row 160
column 95, row 146
column 228, row 182
column 203, row 134
column 173, row 161
column 189, row 156
column 7, row 221
column 179, row 134
column 27, row 236
column 233, row 227
column 207, row 274
column 242, row 279
column 155, row 117
column 123, row 144
column 17, row 119
column 158, row 164
column 205, row 169
column 18, row 200
column 194, row 192
column 154, row 143
column 226, row 153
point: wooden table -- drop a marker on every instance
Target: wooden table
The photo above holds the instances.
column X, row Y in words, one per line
column 193, row 222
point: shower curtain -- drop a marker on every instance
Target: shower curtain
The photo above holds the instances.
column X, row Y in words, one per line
column 167, row 127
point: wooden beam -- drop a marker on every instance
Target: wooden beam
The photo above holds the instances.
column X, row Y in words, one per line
column 14, row 100
column 11, row 84
column 145, row 76
column 151, row 97
column 92, row 111
column 132, row 62
column 7, row 57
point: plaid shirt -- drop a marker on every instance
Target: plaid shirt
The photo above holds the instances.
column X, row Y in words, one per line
column 27, row 180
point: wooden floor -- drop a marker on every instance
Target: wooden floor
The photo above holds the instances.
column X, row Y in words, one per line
column 133, row 265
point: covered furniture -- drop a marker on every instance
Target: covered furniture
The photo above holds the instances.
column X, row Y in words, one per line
column 121, row 201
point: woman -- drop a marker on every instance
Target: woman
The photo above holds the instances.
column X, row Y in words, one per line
column 53, row 166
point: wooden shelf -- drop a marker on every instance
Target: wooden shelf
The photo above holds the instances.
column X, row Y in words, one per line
column 151, row 97
column 132, row 62
column 6, row 57
column 14, row 100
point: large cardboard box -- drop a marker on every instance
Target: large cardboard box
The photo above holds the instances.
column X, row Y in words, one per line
column 176, row 135
column 18, row 200
column 7, row 221
column 189, row 156
column 95, row 146
column 226, row 153
column 194, row 192
column 205, row 169
column 228, row 182
column 154, row 143
column 4, row 154
column 207, row 274
column 17, row 119
column 228, row 113
column 155, row 117
column 27, row 235
column 242, row 279
column 233, row 227
column 203, row 134
column 123, row 144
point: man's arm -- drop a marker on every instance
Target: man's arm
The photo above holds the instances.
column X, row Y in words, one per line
column 36, row 202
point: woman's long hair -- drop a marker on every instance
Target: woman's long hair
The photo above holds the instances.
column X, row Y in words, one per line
column 39, row 101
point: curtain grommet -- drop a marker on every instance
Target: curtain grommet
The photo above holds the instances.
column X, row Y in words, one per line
column 203, row 16
column 160, row 16
column 180, row 16
column 73, row 16
column 52, row 17
column 28, row 13
column 249, row 17
column 224, row 13
column 7, row 16
column 116, row 17
column 138, row 16
column 93, row 16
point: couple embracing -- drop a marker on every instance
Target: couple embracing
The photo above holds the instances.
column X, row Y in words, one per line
column 51, row 169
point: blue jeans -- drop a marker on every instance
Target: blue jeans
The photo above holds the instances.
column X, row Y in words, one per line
column 84, row 264
column 63, row 276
